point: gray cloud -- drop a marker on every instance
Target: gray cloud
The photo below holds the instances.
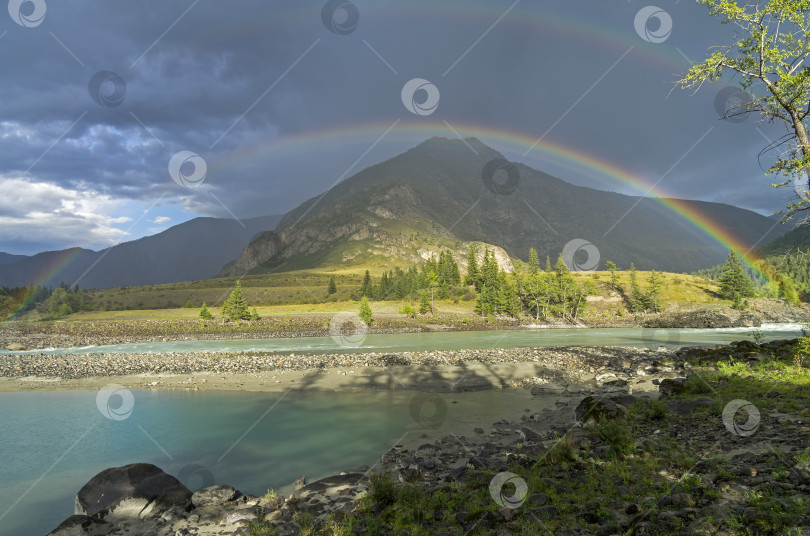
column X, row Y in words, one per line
column 238, row 73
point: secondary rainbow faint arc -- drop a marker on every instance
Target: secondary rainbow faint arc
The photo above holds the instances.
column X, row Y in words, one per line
column 574, row 159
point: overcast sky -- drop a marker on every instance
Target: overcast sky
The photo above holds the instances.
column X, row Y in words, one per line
column 276, row 100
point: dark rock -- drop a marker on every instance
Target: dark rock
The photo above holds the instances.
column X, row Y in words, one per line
column 527, row 434
column 664, row 501
column 538, row 499
column 632, row 509
column 82, row 525
column 547, row 512
column 135, row 481
column 682, row 500
column 669, row 387
column 213, row 495
column 461, row 517
column 800, row 474
column 598, row 409
column 607, row 530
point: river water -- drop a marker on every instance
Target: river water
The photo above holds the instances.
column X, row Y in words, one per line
column 451, row 340
column 51, row 443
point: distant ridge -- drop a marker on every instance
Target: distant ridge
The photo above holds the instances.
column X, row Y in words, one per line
column 193, row 250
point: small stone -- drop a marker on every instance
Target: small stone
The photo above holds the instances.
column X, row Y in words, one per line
column 632, row 509
column 538, row 499
column 664, row 501
column 682, row 500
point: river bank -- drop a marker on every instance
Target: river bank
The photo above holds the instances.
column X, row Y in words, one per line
column 722, row 451
column 434, row 371
column 69, row 333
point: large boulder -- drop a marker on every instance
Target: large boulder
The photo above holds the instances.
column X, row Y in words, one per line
column 139, row 488
column 214, row 495
column 596, row 409
column 672, row 386
column 81, row 525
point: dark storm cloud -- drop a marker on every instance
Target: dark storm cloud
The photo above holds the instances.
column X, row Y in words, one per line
column 221, row 78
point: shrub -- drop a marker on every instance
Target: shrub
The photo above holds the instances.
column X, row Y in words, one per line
column 383, row 489
column 618, row 434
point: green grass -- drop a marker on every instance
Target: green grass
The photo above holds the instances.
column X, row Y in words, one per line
column 630, row 471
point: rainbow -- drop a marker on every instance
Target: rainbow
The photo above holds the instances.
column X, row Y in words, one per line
column 46, row 276
column 538, row 21
column 507, row 142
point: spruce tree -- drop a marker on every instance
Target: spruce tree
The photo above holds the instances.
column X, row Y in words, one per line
column 365, row 310
column 734, row 280
column 473, row 277
column 366, row 288
column 205, row 314
column 254, row 314
column 235, row 307
column 614, row 279
column 332, row 288
column 534, row 261
column 424, row 303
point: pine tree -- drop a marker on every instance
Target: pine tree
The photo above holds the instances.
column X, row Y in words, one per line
column 332, row 288
column 652, row 299
column 205, row 314
column 733, row 279
column 366, row 288
column 424, row 303
column 254, row 314
column 365, row 310
column 635, row 301
column 614, row 279
column 235, row 307
column 534, row 261
column 473, row 276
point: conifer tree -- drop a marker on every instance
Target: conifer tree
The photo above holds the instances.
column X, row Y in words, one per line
column 366, row 288
column 534, row 261
column 205, row 314
column 734, row 280
column 235, row 307
column 472, row 267
column 365, row 310
column 332, row 288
